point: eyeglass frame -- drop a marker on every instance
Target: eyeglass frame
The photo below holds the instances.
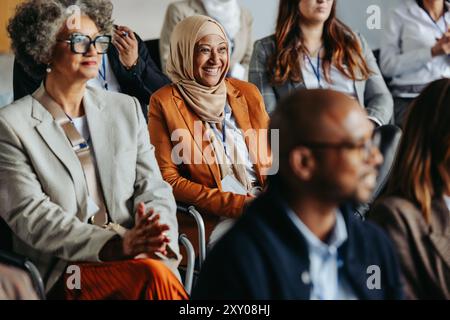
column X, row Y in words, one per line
column 367, row 146
column 91, row 42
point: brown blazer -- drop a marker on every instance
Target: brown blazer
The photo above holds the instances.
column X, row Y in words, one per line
column 424, row 250
column 200, row 184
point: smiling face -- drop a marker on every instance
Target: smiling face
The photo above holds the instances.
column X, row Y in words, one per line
column 74, row 66
column 315, row 10
column 358, row 166
column 210, row 60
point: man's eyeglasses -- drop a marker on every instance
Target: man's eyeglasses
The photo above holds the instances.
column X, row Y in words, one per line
column 80, row 43
column 366, row 147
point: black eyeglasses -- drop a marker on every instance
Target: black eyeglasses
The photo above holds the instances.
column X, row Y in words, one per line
column 80, row 43
column 366, row 147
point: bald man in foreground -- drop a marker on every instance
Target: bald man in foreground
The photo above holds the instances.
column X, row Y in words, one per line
column 300, row 240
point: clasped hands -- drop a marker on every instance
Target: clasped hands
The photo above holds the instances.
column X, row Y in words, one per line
column 147, row 237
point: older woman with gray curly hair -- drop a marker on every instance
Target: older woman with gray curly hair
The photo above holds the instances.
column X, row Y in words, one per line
column 79, row 184
column 127, row 67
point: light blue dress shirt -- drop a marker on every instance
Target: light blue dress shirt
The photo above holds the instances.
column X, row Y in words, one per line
column 105, row 76
column 324, row 260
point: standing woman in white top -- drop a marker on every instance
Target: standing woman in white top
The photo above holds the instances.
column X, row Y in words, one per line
column 236, row 20
column 415, row 49
column 311, row 48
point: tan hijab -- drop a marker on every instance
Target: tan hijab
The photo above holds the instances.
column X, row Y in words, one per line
column 207, row 102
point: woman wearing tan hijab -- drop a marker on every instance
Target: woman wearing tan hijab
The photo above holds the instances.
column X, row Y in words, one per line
column 206, row 128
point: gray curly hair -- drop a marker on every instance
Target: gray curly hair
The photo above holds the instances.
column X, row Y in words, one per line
column 34, row 28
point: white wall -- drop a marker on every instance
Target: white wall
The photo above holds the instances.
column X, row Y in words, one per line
column 354, row 14
column 146, row 16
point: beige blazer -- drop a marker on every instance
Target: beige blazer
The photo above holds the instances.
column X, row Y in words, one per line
column 177, row 11
column 424, row 250
column 43, row 194
column 372, row 94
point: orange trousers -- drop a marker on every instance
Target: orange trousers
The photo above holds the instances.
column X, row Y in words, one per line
column 145, row 279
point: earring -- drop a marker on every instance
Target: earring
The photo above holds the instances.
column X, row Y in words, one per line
column 49, row 68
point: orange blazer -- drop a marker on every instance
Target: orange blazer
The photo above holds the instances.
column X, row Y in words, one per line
column 200, row 184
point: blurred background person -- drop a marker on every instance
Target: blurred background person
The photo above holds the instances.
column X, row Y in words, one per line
column 236, row 20
column 126, row 68
column 300, row 239
column 311, row 49
column 415, row 49
column 219, row 120
column 415, row 210
column 79, row 182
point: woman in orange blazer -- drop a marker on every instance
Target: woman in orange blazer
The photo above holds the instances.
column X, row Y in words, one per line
column 209, row 117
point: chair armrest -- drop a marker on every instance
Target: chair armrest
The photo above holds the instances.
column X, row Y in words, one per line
column 25, row 264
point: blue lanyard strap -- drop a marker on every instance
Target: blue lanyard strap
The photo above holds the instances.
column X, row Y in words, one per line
column 436, row 22
column 224, row 137
column 103, row 74
column 316, row 69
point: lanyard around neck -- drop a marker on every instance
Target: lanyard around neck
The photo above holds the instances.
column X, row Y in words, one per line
column 316, row 70
column 102, row 72
column 436, row 22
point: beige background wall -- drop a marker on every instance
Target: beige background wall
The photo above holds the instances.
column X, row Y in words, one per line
column 147, row 16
